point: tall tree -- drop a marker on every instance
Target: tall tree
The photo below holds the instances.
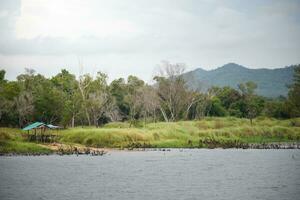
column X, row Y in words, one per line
column 134, row 85
column 100, row 103
column 294, row 94
column 172, row 91
column 252, row 103
column 84, row 87
column 118, row 89
column 25, row 107
column 67, row 83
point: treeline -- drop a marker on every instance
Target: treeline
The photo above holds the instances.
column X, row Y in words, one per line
column 89, row 100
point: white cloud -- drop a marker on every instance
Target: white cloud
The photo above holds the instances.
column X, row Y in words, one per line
column 69, row 19
column 124, row 37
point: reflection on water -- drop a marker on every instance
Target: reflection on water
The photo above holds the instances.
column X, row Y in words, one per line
column 188, row 174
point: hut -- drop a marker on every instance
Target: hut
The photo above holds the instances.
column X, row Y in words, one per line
column 38, row 130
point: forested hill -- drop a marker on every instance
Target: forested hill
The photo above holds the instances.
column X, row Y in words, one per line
column 270, row 82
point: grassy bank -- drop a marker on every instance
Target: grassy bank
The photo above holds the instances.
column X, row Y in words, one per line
column 13, row 141
column 209, row 132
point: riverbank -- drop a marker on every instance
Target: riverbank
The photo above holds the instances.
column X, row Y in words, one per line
column 227, row 132
column 74, row 150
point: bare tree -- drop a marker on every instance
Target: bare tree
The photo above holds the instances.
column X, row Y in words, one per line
column 144, row 103
column 83, row 85
column 171, row 90
column 99, row 102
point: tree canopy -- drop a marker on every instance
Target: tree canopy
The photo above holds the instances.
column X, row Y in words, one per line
column 68, row 100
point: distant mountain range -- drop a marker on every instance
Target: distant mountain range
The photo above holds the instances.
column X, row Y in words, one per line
column 270, row 82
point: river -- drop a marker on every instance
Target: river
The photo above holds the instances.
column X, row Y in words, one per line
column 176, row 174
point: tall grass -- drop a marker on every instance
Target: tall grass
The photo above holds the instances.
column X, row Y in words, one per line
column 207, row 132
column 227, row 131
column 14, row 141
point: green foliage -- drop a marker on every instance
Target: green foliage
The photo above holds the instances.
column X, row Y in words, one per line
column 294, row 94
column 216, row 108
column 91, row 100
column 118, row 89
column 2, row 76
column 276, row 108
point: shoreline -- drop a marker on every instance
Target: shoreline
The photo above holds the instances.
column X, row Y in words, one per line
column 63, row 149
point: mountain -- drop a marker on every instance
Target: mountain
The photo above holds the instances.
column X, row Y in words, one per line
column 270, row 82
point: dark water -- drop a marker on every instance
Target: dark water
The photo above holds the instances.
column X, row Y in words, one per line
column 188, row 174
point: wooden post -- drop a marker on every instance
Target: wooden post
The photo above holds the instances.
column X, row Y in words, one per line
column 35, row 135
column 41, row 139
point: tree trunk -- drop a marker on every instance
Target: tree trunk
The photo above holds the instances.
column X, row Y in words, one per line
column 73, row 121
column 87, row 116
column 164, row 114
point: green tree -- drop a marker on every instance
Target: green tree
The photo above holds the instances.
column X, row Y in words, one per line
column 276, row 109
column 134, row 85
column 252, row 104
column 67, row 83
column 9, row 90
column 294, row 94
column 228, row 96
column 118, row 90
column 216, row 108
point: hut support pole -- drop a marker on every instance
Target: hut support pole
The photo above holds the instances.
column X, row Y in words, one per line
column 35, row 135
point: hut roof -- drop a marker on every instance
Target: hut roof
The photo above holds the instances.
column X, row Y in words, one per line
column 33, row 126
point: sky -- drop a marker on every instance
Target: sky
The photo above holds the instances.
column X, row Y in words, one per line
column 123, row 37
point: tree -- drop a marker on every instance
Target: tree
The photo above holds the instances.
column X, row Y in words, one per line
column 2, row 99
column 276, row 108
column 83, row 85
column 227, row 96
column 134, row 85
column 145, row 104
column 67, row 83
column 25, row 107
column 9, row 90
column 100, row 103
column 294, row 94
column 90, row 100
column 172, row 91
column 49, row 103
column 252, row 104
column 216, row 108
column 2, row 76
column 118, row 90
column 200, row 107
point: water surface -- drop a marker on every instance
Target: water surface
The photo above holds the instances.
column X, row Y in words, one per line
column 178, row 174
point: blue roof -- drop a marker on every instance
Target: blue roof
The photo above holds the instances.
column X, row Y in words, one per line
column 33, row 126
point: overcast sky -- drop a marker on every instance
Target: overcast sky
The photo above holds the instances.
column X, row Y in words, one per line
column 122, row 37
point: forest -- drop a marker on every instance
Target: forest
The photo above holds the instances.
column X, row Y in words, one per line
column 90, row 100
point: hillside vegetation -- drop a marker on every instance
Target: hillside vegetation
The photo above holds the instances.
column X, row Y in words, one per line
column 90, row 100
